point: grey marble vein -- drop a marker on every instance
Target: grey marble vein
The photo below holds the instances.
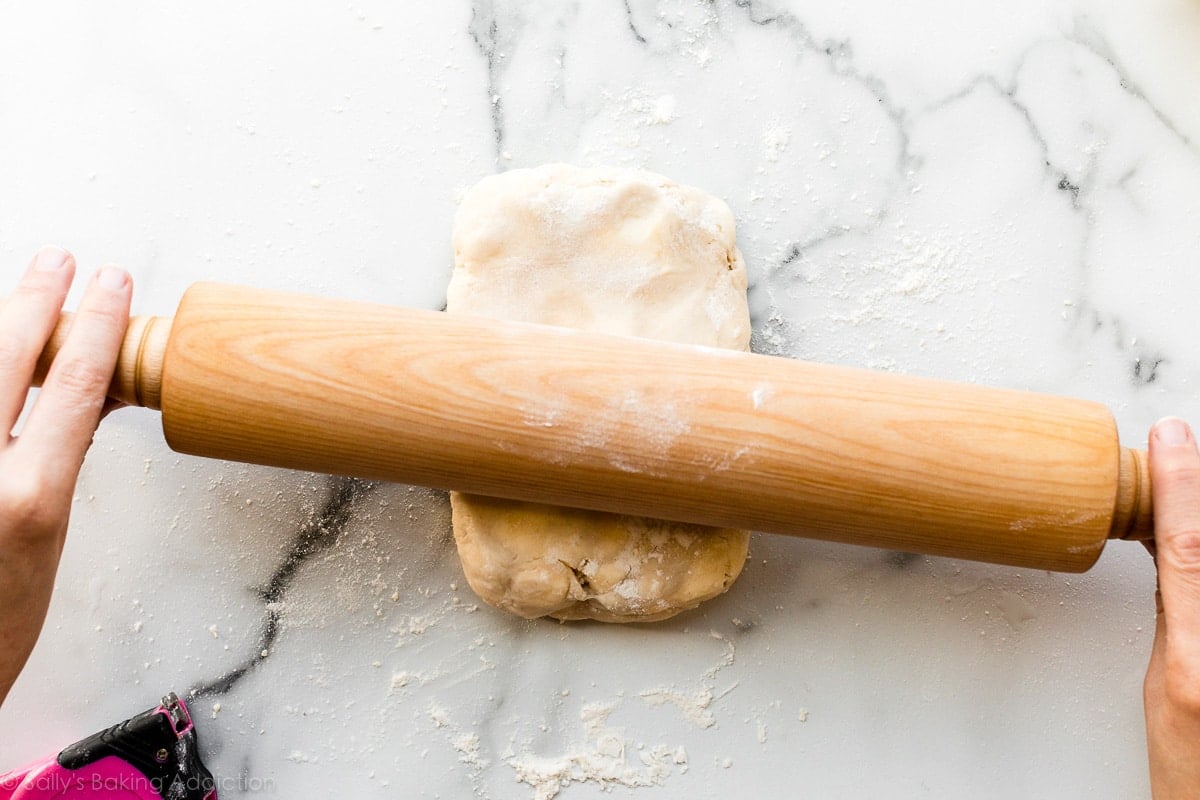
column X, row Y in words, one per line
column 486, row 33
column 320, row 532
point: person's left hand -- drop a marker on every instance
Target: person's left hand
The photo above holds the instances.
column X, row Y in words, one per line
column 39, row 468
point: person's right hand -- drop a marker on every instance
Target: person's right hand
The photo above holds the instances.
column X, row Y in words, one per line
column 1172, row 687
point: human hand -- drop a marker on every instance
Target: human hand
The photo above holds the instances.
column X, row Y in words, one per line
column 38, row 469
column 1172, row 687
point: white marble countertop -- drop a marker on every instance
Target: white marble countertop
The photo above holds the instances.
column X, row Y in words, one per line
column 999, row 193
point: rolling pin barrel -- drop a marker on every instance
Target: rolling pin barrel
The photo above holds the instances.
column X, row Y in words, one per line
column 637, row 427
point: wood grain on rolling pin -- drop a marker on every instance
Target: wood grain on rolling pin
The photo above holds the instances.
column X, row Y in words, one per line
column 640, row 427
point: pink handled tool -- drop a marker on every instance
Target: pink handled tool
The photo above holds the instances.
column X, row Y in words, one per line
column 152, row 756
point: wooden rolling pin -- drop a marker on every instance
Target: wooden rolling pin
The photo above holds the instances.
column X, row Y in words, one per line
column 635, row 426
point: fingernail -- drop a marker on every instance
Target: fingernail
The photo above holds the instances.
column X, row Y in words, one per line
column 112, row 278
column 1172, row 432
column 50, row 259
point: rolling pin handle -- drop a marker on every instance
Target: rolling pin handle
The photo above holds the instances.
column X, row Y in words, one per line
column 137, row 378
column 1133, row 515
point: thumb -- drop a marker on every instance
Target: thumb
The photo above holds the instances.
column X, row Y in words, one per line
column 1175, row 482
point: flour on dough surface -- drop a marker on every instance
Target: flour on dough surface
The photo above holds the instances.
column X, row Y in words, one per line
column 614, row 251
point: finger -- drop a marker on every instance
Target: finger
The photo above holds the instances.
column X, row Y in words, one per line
column 1175, row 482
column 64, row 418
column 26, row 321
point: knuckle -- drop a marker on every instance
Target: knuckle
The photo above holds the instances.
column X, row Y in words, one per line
column 14, row 352
column 26, row 505
column 32, row 290
column 1182, row 548
column 1179, row 473
column 1182, row 688
column 101, row 319
column 36, row 293
column 81, row 378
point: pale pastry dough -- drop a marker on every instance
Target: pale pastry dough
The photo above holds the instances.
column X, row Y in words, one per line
column 613, row 251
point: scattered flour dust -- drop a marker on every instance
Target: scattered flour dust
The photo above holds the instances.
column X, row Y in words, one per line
column 696, row 704
column 602, row 758
column 775, row 141
column 467, row 745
